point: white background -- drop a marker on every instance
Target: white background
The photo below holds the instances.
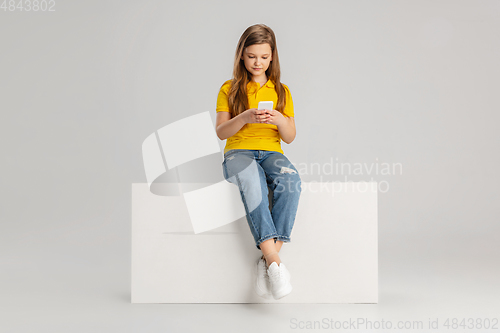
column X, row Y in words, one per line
column 410, row 82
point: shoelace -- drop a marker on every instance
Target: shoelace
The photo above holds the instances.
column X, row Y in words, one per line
column 274, row 274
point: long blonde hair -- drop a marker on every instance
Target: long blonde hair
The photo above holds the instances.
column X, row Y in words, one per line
column 237, row 95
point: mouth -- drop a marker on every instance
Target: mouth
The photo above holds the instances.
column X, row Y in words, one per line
column 257, row 69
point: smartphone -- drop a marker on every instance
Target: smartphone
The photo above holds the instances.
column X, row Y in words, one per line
column 265, row 105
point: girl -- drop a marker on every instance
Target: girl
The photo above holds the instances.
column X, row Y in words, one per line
column 253, row 159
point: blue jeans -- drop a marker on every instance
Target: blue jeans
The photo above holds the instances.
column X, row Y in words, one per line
column 253, row 171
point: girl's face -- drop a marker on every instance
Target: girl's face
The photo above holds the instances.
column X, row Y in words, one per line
column 257, row 58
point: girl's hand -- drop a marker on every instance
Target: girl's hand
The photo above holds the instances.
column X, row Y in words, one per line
column 255, row 116
column 275, row 117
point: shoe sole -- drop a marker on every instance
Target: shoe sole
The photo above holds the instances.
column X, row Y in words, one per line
column 267, row 296
column 283, row 292
column 261, row 293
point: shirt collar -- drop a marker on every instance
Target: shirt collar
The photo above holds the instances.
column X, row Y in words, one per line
column 269, row 83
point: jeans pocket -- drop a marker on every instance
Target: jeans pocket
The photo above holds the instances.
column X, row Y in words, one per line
column 230, row 152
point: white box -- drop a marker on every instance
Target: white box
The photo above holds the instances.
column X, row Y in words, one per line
column 332, row 257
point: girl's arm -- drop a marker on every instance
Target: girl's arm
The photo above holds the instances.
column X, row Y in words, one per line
column 286, row 125
column 227, row 127
column 286, row 128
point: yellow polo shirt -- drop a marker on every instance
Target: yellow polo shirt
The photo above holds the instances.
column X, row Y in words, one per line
column 256, row 136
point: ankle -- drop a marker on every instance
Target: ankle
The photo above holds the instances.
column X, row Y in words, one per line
column 272, row 257
column 276, row 261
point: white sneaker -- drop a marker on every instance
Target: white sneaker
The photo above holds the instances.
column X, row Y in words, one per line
column 279, row 279
column 261, row 283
